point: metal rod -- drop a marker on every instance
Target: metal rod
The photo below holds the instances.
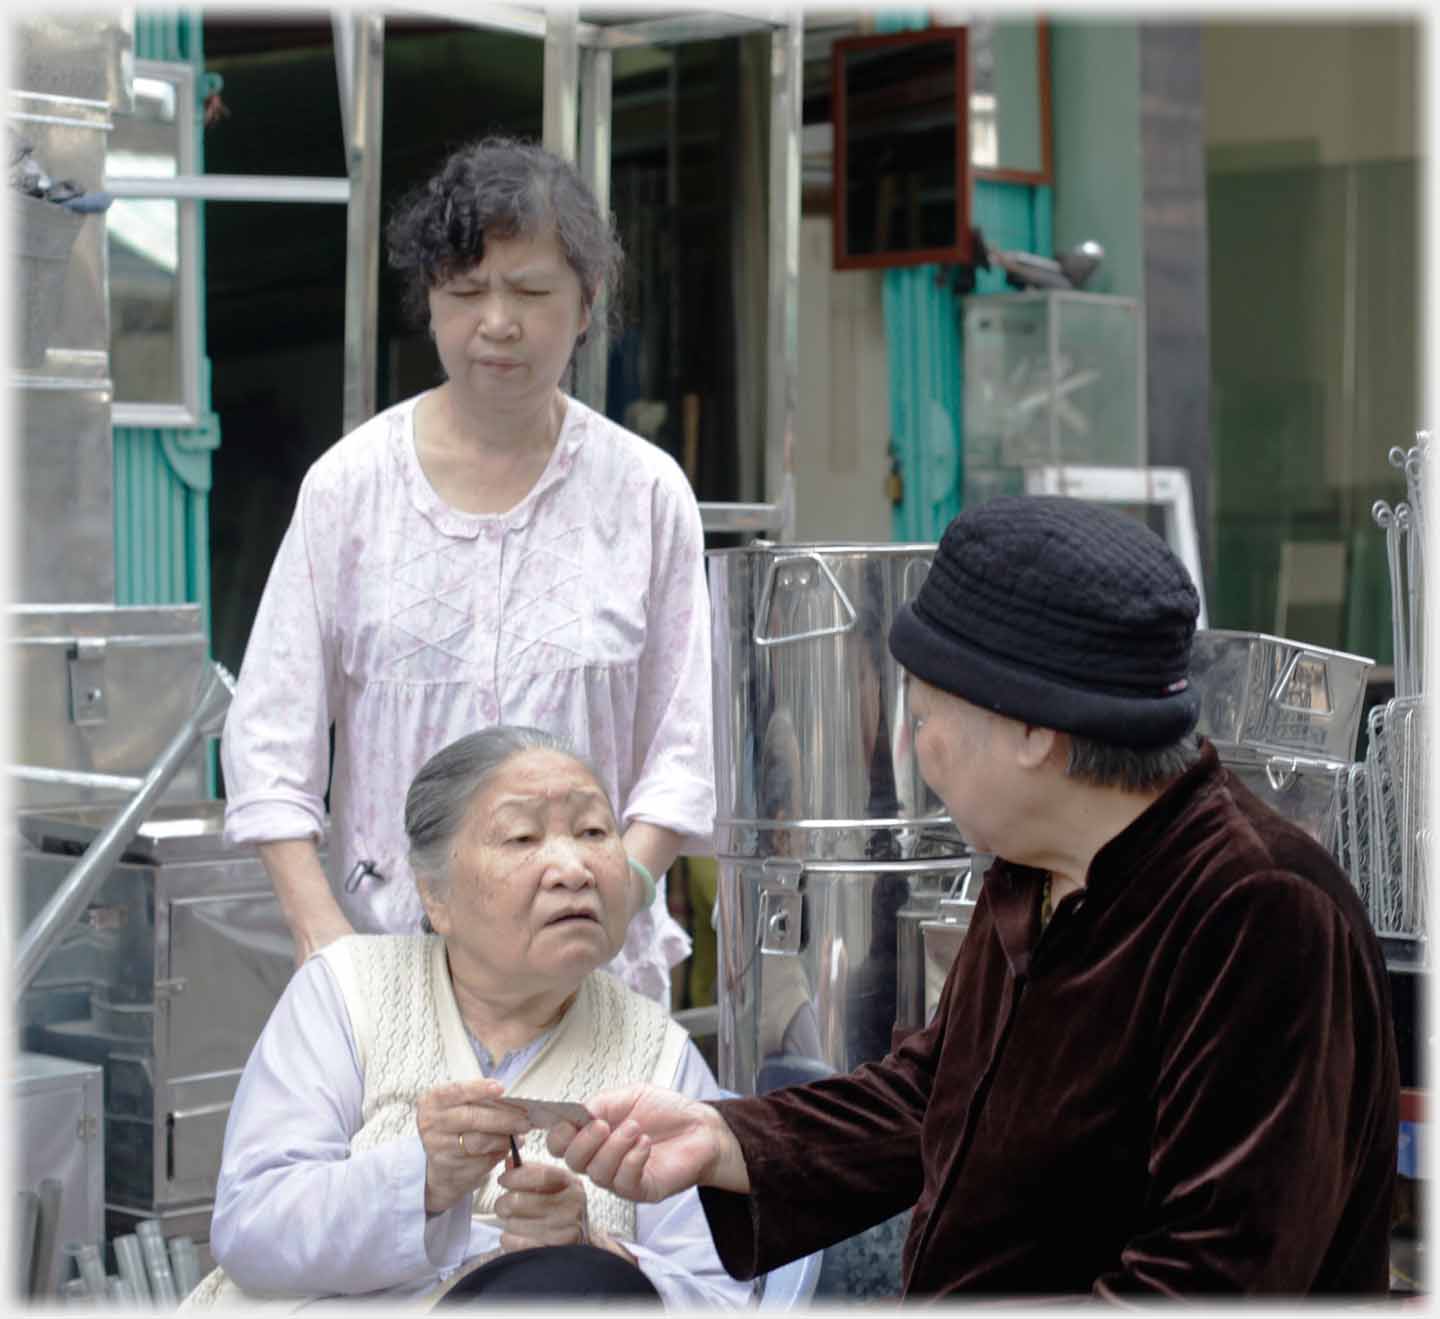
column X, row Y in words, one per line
column 1384, row 517
column 593, row 356
column 362, row 223
column 743, row 517
column 73, row 896
column 562, row 64
column 787, row 49
column 670, row 31
column 343, row 26
column 76, row 778
column 233, row 188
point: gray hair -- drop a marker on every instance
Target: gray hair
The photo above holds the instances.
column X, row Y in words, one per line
column 441, row 794
column 502, row 188
column 1104, row 765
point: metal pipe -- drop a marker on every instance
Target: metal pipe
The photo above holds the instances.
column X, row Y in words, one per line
column 593, row 356
column 343, row 26
column 1384, row 517
column 233, row 188
column 562, row 65
column 73, row 896
column 743, row 517
column 787, row 49
column 75, row 778
column 362, row 224
column 671, row 31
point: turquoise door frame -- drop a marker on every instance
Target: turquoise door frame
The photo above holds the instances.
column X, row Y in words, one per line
column 925, row 349
column 163, row 474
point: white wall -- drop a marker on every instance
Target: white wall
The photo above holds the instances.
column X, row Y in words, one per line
column 843, row 426
column 1351, row 88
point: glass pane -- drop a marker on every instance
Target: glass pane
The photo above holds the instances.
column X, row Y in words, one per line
column 900, row 184
column 144, row 252
column 1312, row 383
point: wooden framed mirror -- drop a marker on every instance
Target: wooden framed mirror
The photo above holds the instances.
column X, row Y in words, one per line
column 902, row 173
column 1010, row 134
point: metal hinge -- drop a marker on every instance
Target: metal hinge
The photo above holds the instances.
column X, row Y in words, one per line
column 780, row 905
column 87, row 1128
column 86, row 664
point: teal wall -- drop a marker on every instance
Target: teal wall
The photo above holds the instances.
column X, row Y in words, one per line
column 1095, row 106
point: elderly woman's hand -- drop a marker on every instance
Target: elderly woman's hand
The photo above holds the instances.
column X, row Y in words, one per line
column 464, row 1138
column 542, row 1206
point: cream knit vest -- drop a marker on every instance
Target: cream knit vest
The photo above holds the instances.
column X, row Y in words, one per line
column 410, row 1037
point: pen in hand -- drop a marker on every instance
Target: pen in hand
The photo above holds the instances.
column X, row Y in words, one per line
column 515, row 1160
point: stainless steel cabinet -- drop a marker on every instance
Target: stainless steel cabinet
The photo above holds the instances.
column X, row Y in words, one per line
column 165, row 982
column 57, row 1111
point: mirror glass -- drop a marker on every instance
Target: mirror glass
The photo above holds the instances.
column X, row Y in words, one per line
column 901, row 138
column 148, row 238
column 1009, row 99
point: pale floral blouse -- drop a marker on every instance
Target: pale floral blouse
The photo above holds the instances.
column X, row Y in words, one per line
column 582, row 611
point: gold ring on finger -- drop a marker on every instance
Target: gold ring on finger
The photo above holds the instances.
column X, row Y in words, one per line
column 460, row 1136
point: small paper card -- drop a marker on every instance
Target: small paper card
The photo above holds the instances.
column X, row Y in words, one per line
column 545, row 1113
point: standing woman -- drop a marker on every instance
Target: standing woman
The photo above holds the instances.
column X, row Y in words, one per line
column 488, row 551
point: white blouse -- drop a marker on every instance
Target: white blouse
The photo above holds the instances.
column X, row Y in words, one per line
column 583, row 611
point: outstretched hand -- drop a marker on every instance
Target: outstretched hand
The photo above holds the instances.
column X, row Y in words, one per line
column 647, row 1144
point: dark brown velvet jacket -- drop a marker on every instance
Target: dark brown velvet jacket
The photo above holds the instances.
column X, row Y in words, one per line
column 1186, row 1084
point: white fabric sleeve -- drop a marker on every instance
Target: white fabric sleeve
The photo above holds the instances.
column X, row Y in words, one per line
column 295, row 1209
column 674, row 746
column 674, row 1246
column 275, row 749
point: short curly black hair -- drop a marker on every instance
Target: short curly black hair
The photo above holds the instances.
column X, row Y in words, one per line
column 502, row 187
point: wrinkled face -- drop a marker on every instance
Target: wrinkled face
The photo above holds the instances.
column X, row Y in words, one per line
column 538, row 876
column 959, row 749
column 505, row 328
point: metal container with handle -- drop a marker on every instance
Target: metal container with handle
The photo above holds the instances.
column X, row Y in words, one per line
column 1273, row 694
column 825, row 830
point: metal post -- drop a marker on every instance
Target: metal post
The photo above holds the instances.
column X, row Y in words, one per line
column 73, row 896
column 592, row 357
column 562, row 68
column 782, row 373
column 343, row 27
column 362, row 222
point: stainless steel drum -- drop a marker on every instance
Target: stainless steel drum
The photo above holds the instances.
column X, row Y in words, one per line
column 824, row 828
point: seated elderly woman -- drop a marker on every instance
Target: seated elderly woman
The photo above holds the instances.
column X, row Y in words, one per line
column 367, row 1154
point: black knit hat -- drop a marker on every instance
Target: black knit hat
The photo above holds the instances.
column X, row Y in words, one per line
column 1058, row 613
